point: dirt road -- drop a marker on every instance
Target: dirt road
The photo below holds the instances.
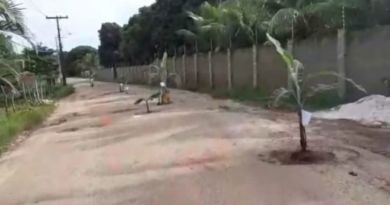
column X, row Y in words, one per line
column 99, row 148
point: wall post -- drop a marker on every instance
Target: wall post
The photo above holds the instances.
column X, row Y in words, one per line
column 255, row 71
column 229, row 69
column 174, row 63
column 210, row 61
column 341, row 52
column 196, row 69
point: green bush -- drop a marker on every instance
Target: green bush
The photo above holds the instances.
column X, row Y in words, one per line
column 23, row 119
column 59, row 92
column 322, row 101
column 243, row 95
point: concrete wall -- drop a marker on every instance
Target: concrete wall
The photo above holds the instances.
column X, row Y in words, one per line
column 365, row 61
column 220, row 71
column 318, row 55
column 272, row 71
column 104, row 75
column 203, row 69
column 368, row 61
column 242, row 68
column 190, row 73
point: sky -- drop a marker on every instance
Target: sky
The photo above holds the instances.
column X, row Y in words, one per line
column 85, row 19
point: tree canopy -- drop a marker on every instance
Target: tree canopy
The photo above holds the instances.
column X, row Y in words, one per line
column 41, row 62
column 73, row 58
column 110, row 38
column 235, row 23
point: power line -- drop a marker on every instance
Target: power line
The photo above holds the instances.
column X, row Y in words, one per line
column 37, row 8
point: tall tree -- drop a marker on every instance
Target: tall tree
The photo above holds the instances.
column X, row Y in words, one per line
column 73, row 58
column 110, row 38
column 153, row 31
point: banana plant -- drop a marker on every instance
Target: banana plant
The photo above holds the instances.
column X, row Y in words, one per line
column 162, row 68
column 146, row 100
column 299, row 90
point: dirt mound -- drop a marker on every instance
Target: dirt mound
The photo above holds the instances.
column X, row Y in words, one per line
column 373, row 110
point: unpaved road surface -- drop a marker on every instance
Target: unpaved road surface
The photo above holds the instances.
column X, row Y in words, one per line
column 99, row 148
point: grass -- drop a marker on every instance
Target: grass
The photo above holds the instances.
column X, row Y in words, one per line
column 59, row 92
column 243, row 95
column 26, row 116
column 21, row 120
column 258, row 97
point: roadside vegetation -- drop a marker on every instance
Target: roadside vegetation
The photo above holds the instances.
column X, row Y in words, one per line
column 27, row 79
column 61, row 92
column 191, row 26
column 153, row 30
column 257, row 97
column 25, row 118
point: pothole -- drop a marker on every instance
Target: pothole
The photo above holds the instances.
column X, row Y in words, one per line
column 72, row 129
column 58, row 122
column 122, row 110
column 288, row 157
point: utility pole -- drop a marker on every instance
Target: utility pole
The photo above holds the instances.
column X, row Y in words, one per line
column 61, row 54
column 59, row 79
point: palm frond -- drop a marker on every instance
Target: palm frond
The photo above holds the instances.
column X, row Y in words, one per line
column 287, row 57
column 320, row 88
column 196, row 18
column 139, row 101
column 154, row 96
column 278, row 95
column 12, row 17
column 187, row 34
column 8, row 69
column 334, row 74
column 7, row 82
column 281, row 23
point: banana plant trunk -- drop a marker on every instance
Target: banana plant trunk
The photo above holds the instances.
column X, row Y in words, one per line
column 302, row 132
column 147, row 106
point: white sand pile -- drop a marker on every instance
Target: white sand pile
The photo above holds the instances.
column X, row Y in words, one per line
column 373, row 110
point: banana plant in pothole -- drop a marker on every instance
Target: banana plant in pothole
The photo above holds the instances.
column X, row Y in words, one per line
column 299, row 89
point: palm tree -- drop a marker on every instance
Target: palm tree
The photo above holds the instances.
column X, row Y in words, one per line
column 11, row 21
column 291, row 16
column 207, row 30
column 225, row 22
column 191, row 37
column 334, row 13
column 11, row 18
column 254, row 25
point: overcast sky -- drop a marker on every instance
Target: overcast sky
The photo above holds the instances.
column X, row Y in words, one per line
column 85, row 18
